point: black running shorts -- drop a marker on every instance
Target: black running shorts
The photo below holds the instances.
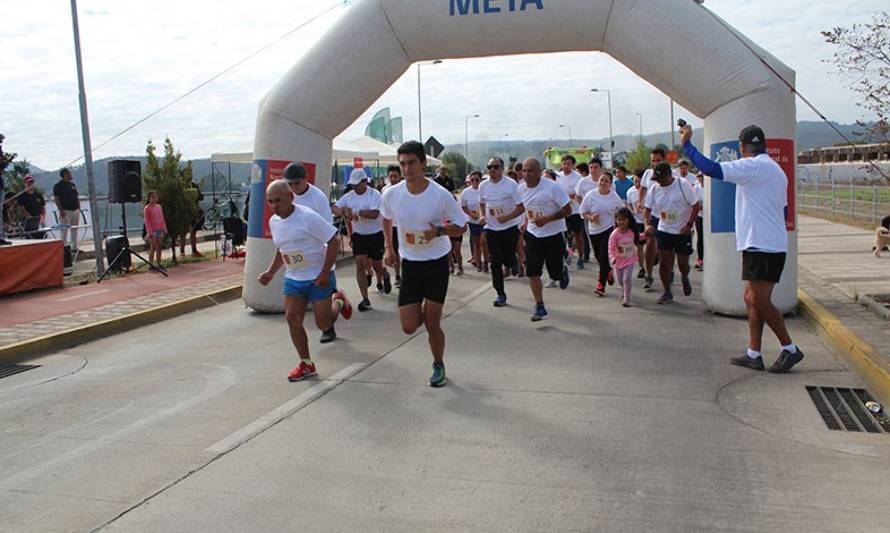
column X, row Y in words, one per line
column 549, row 251
column 370, row 245
column 424, row 280
column 762, row 266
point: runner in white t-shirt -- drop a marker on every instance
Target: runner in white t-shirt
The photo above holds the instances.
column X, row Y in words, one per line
column 673, row 202
column 587, row 184
column 655, row 157
column 469, row 202
column 682, row 171
column 568, row 179
column 310, row 196
column 361, row 206
column 598, row 209
column 633, row 203
column 419, row 207
column 500, row 207
column 546, row 206
column 394, row 177
column 761, row 235
column 307, row 248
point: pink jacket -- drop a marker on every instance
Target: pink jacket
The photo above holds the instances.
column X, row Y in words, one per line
column 622, row 250
column 154, row 218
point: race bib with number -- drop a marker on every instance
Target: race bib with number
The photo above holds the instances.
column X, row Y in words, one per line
column 670, row 216
column 534, row 215
column 627, row 250
column 293, row 260
column 416, row 239
column 497, row 211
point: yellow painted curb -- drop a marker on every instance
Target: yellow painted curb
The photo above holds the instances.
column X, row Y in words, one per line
column 861, row 356
column 66, row 339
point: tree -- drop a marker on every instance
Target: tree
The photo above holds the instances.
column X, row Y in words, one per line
column 863, row 57
column 638, row 159
column 173, row 183
column 457, row 166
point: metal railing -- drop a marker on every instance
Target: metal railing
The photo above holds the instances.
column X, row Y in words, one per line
column 868, row 203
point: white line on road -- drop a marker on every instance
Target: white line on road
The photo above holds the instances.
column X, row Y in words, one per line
column 83, row 295
column 285, row 410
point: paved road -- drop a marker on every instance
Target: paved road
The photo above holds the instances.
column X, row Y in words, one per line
column 601, row 419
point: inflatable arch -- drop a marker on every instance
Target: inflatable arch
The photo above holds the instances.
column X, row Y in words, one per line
column 676, row 45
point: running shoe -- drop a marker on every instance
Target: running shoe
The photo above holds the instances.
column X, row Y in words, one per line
column 500, row 301
column 610, row 278
column 699, row 265
column 580, row 264
column 747, row 362
column 552, row 284
column 380, row 286
column 641, row 274
column 364, row 305
column 303, row 371
column 514, row 268
column 648, row 284
column 460, row 271
column 666, row 298
column 438, row 378
column 564, row 280
column 600, row 290
column 785, row 361
column 387, row 284
column 540, row 313
column 479, row 268
column 485, row 268
column 625, row 303
column 687, row 286
column 346, row 309
column 327, row 336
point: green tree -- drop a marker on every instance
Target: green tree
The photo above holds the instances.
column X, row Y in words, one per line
column 457, row 166
column 173, row 182
column 638, row 159
column 14, row 175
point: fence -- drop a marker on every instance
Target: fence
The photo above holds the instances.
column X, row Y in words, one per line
column 866, row 203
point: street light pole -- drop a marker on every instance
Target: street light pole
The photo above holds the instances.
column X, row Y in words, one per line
column 611, row 138
column 673, row 140
column 467, row 137
column 87, row 145
column 419, row 106
column 568, row 127
column 641, row 126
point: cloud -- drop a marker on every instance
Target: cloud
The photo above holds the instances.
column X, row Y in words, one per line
column 139, row 56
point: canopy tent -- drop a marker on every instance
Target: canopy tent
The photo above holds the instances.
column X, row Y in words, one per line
column 345, row 152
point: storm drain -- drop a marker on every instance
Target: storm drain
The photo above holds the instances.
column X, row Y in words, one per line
column 844, row 409
column 12, row 370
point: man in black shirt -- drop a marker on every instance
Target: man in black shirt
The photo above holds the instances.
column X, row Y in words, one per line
column 32, row 207
column 68, row 203
column 444, row 180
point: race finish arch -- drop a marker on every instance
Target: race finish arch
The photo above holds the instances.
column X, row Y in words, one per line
column 677, row 45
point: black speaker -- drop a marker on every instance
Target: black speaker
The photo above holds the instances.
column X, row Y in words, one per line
column 113, row 246
column 124, row 181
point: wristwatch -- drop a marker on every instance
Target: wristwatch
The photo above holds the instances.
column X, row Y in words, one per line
column 440, row 231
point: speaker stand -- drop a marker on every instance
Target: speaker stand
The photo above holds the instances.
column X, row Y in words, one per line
column 120, row 255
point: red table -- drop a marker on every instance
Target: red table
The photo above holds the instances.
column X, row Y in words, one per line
column 26, row 265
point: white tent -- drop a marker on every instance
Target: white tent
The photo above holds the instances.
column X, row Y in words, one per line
column 345, row 152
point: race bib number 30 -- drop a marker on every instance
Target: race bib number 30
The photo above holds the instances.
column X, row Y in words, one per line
column 294, row 260
column 416, row 239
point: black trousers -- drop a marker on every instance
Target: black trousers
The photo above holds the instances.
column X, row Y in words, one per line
column 700, row 237
column 599, row 243
column 502, row 249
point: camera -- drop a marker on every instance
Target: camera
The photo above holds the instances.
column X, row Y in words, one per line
column 681, row 123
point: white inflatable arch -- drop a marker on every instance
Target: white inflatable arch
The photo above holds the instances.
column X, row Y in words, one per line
column 676, row 45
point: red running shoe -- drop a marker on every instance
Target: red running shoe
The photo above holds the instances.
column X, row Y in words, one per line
column 302, row 372
column 600, row 290
column 346, row 310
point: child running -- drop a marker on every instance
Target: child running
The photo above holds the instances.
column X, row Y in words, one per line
column 155, row 228
column 623, row 251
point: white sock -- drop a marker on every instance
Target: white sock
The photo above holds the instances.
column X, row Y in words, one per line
column 754, row 355
column 792, row 348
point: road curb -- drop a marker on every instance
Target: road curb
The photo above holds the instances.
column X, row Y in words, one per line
column 32, row 348
column 860, row 355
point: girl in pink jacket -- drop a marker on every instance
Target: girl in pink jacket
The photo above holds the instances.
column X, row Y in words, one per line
column 623, row 251
column 155, row 227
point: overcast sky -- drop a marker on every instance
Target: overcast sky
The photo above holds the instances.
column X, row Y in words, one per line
column 140, row 55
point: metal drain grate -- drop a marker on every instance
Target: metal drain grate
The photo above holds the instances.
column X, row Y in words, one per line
column 12, row 370
column 844, row 409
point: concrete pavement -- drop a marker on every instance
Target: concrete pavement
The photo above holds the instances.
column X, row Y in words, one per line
column 600, row 419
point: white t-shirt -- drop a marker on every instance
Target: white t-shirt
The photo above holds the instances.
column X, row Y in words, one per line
column 370, row 201
column 646, row 180
column 690, row 177
column 633, row 197
column 499, row 198
column 671, row 204
column 760, row 201
column 469, row 198
column 316, row 200
column 700, row 196
column 567, row 183
column 384, row 189
column 301, row 240
column 584, row 186
column 547, row 198
column 415, row 212
column 603, row 204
